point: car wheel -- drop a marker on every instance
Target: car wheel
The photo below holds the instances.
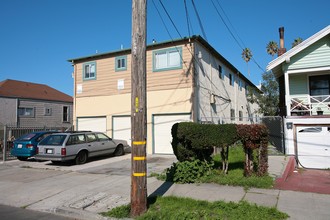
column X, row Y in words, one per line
column 119, row 150
column 22, row 158
column 81, row 158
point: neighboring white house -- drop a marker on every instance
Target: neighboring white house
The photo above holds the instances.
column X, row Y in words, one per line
column 187, row 80
column 303, row 74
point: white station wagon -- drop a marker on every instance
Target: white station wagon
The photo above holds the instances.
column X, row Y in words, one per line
column 79, row 146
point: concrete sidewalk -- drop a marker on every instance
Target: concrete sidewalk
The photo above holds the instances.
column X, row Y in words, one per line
column 84, row 191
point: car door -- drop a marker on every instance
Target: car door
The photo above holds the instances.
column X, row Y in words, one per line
column 76, row 143
column 106, row 143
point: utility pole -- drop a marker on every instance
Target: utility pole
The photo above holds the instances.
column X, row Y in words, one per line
column 139, row 109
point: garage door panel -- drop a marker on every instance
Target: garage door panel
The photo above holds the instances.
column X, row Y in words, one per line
column 122, row 128
column 162, row 132
column 313, row 147
column 92, row 124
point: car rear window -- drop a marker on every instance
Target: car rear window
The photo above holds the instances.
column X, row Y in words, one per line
column 55, row 140
column 27, row 137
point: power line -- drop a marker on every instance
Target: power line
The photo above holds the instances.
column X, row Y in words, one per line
column 231, row 33
column 199, row 20
column 170, row 18
column 187, row 17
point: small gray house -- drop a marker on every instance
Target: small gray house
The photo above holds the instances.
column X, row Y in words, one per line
column 26, row 104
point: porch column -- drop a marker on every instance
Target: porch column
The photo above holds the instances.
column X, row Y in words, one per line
column 287, row 94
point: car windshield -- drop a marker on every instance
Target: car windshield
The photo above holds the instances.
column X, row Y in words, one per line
column 54, row 140
column 27, row 137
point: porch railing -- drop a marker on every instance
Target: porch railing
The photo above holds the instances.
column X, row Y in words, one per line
column 309, row 105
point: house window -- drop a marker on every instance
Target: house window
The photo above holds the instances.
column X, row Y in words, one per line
column 89, row 71
column 240, row 84
column 232, row 114
column 319, row 87
column 240, row 115
column 121, row 63
column 48, row 111
column 231, row 79
column 167, row 59
column 26, row 112
column 66, row 115
column 220, row 72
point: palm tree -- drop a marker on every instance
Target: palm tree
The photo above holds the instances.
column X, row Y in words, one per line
column 272, row 48
column 296, row 42
column 247, row 55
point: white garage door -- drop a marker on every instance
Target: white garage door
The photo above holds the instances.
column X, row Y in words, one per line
column 122, row 128
column 313, row 145
column 162, row 131
column 92, row 124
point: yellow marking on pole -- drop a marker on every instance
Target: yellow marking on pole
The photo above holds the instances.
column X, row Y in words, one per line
column 139, row 142
column 136, row 104
column 139, row 158
column 139, row 174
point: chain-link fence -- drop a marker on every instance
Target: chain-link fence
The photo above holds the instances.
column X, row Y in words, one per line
column 8, row 134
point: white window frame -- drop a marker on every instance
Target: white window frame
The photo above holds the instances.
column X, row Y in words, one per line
column 167, row 59
column 48, row 111
column 66, row 114
column 28, row 112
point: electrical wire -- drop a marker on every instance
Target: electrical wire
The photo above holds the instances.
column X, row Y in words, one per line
column 187, row 17
column 231, row 33
column 199, row 20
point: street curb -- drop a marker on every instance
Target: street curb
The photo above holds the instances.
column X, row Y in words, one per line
column 290, row 167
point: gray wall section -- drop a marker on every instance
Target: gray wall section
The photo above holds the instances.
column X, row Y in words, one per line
column 8, row 111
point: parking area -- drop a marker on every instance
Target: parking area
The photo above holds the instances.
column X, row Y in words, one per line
column 111, row 165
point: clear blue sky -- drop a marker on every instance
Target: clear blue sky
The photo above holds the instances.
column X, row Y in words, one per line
column 37, row 37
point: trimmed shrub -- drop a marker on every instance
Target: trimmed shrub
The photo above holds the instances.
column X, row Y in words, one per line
column 254, row 137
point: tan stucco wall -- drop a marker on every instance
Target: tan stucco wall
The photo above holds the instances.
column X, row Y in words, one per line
column 158, row 102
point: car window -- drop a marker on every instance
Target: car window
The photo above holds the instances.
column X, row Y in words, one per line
column 102, row 137
column 27, row 137
column 76, row 139
column 53, row 140
column 42, row 137
column 91, row 137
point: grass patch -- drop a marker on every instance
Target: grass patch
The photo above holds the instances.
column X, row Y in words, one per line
column 235, row 176
column 185, row 208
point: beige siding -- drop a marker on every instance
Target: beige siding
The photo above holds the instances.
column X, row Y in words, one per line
column 165, row 101
column 106, row 82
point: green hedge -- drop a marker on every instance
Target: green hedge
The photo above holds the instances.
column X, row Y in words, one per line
column 197, row 141
column 191, row 141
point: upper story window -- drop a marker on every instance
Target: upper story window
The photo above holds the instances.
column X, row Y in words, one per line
column 231, row 79
column 26, row 112
column 167, row 59
column 240, row 84
column 66, row 114
column 319, row 87
column 220, row 72
column 89, row 71
column 121, row 63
